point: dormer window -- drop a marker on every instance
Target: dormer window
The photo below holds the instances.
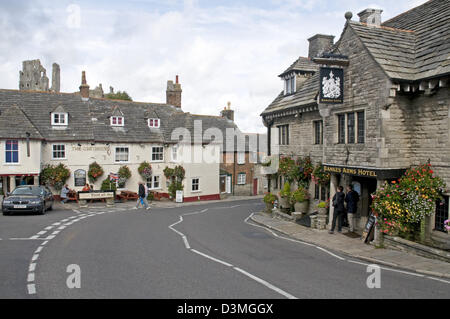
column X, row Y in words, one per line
column 154, row 123
column 289, row 84
column 117, row 121
column 59, row 119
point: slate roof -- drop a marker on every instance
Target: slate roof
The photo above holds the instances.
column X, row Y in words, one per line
column 414, row 45
column 301, row 64
column 305, row 95
column 29, row 111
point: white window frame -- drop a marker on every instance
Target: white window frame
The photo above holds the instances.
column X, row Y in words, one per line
column 18, row 153
column 174, row 151
column 239, row 179
column 192, row 185
column 152, row 186
column 115, row 154
column 117, row 120
column 65, row 116
column 53, row 152
column 240, row 160
column 153, row 125
column 151, row 155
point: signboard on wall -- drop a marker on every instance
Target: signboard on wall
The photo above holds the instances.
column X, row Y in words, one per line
column 80, row 177
column 331, row 85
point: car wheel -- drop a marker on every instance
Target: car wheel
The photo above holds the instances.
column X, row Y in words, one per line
column 51, row 207
column 41, row 211
column 5, row 214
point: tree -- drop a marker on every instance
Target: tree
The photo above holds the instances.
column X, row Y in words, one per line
column 118, row 96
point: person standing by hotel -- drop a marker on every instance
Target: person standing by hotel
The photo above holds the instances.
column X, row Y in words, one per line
column 86, row 188
column 339, row 209
column 351, row 199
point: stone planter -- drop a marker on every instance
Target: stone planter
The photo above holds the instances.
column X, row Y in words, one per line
column 302, row 207
column 269, row 208
column 322, row 211
column 284, row 202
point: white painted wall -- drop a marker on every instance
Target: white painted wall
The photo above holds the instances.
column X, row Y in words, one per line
column 26, row 165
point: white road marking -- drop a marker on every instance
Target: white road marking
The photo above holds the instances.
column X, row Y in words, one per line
column 38, row 250
column 32, row 267
column 44, row 243
column 48, row 228
column 62, row 227
column 50, row 237
column 30, row 277
column 31, row 289
column 35, row 257
column 265, row 283
column 34, row 237
column 26, row 238
column 212, row 258
column 186, row 243
column 42, row 232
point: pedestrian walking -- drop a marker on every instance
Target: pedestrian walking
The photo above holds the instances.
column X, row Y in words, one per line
column 142, row 198
column 64, row 192
column 339, row 209
column 351, row 199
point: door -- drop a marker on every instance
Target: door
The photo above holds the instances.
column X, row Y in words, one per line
column 223, row 186
column 255, row 187
column 228, row 185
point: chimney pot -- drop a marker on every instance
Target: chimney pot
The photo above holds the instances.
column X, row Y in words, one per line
column 176, row 79
column 371, row 17
column 84, row 87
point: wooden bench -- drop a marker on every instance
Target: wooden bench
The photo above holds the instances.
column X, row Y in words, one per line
column 72, row 195
column 127, row 195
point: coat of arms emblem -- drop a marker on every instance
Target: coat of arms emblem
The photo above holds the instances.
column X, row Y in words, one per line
column 331, row 86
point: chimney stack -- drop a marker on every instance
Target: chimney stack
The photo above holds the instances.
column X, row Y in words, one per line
column 173, row 93
column 84, row 87
column 319, row 44
column 227, row 112
column 56, row 74
column 372, row 17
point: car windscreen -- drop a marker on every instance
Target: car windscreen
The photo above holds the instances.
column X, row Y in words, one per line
column 28, row 191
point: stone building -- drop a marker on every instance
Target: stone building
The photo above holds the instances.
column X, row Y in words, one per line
column 33, row 77
column 394, row 111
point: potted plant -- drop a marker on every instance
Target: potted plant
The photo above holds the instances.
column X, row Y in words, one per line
column 447, row 226
column 301, row 199
column 323, row 208
column 94, row 172
column 145, row 170
column 285, row 196
column 269, row 200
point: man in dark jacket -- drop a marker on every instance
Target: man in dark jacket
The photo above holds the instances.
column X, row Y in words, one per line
column 339, row 209
column 351, row 199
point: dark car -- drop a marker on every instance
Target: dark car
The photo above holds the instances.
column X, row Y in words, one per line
column 36, row 199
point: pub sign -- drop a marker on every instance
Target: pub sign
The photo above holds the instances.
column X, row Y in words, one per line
column 331, row 85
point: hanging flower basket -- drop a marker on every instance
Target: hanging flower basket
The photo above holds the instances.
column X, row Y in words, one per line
column 145, row 170
column 95, row 171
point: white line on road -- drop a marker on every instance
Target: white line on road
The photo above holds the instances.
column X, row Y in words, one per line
column 31, row 289
column 32, row 267
column 35, row 257
column 265, row 283
column 212, row 258
column 30, row 277
column 38, row 250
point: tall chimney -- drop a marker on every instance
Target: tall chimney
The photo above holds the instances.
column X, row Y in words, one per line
column 371, row 17
column 227, row 112
column 319, row 44
column 173, row 93
column 84, row 87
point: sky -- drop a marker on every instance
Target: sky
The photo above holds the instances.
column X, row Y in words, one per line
column 223, row 51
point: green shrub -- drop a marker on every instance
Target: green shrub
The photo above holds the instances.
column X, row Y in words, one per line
column 107, row 185
column 322, row 205
column 286, row 191
column 300, row 195
column 270, row 198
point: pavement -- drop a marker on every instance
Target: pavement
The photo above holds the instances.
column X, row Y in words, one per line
column 210, row 250
column 355, row 248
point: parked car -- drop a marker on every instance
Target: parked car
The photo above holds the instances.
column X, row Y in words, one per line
column 37, row 199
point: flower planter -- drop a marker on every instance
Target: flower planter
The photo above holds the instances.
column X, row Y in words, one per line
column 322, row 211
column 284, row 202
column 269, row 208
column 302, row 207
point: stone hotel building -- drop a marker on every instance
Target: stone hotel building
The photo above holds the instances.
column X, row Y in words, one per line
column 393, row 111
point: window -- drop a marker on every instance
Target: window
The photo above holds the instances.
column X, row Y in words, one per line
column 442, row 214
column 122, row 154
column 195, row 184
column 58, row 151
column 175, row 153
column 361, row 127
column 242, row 179
column 351, row 128
column 341, row 129
column 157, row 153
column 241, row 158
column 59, row 118
column 154, row 123
column 153, row 182
column 283, row 134
column 12, row 151
column 318, row 132
column 290, row 85
column 316, row 192
column 117, row 121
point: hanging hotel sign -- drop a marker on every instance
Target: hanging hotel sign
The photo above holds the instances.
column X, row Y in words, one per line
column 331, row 85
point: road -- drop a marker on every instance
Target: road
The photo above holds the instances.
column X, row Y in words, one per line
column 202, row 251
